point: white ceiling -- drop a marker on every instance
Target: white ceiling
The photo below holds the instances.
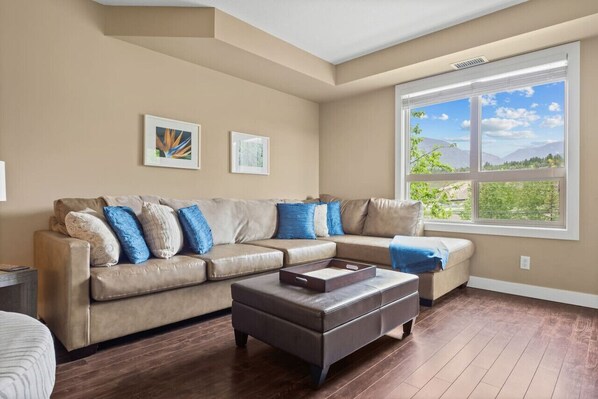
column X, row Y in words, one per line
column 340, row 30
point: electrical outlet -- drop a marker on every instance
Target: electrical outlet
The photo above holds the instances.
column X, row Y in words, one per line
column 525, row 262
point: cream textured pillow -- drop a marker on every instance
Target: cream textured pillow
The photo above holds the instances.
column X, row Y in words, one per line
column 162, row 230
column 90, row 226
column 321, row 220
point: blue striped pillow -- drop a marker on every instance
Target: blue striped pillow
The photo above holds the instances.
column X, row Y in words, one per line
column 335, row 224
column 123, row 221
column 196, row 229
column 296, row 221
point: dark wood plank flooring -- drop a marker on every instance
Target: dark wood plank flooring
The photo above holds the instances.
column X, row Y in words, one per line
column 472, row 343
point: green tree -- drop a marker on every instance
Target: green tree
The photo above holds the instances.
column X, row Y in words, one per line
column 530, row 200
column 436, row 198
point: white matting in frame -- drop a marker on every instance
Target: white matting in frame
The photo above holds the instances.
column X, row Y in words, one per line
column 249, row 153
column 171, row 144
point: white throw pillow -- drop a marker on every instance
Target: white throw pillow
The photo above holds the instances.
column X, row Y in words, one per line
column 162, row 230
column 321, row 220
column 91, row 226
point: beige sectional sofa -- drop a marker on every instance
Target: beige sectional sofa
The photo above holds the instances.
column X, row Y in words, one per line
column 85, row 305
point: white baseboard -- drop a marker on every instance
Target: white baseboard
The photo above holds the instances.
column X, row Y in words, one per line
column 534, row 291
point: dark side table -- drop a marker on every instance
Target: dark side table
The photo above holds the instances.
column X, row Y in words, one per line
column 18, row 291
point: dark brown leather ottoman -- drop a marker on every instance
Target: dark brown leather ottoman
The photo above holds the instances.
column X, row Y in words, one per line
column 322, row 328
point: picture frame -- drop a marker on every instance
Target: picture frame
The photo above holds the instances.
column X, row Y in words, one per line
column 171, row 144
column 249, row 153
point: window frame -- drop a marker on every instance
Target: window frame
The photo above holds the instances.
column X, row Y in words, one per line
column 567, row 228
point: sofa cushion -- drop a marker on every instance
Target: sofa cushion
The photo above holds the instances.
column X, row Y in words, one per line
column 223, row 215
column 162, row 231
column 232, row 260
column 54, row 225
column 63, row 206
column 135, row 202
column 261, row 220
column 91, row 226
column 388, row 218
column 353, row 213
column 234, row 220
column 375, row 249
column 127, row 280
column 300, row 251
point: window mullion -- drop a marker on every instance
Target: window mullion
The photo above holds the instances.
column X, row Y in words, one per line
column 403, row 149
column 475, row 134
column 520, row 175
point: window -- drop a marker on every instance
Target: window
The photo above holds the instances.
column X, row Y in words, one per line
column 494, row 149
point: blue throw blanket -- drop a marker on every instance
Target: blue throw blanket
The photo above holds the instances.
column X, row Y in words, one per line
column 418, row 254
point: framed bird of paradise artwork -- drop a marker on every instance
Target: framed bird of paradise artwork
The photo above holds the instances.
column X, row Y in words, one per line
column 171, row 144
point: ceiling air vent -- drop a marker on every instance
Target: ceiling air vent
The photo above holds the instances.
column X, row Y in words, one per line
column 469, row 63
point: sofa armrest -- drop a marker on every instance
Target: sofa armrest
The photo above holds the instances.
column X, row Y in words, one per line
column 63, row 278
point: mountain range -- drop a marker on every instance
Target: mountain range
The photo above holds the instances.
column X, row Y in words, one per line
column 459, row 158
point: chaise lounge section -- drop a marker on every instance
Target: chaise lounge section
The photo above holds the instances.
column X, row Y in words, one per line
column 85, row 305
column 363, row 217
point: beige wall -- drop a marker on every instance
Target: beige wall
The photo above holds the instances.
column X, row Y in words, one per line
column 71, row 108
column 357, row 160
column 357, row 142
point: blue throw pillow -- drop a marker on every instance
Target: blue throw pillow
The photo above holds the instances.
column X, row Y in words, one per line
column 296, row 221
column 123, row 221
column 196, row 229
column 335, row 224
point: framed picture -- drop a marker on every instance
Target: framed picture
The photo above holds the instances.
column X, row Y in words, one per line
column 249, row 153
column 171, row 144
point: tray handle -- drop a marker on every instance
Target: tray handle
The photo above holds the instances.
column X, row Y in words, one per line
column 301, row 280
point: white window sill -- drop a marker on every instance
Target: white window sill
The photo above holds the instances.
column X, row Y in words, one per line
column 513, row 231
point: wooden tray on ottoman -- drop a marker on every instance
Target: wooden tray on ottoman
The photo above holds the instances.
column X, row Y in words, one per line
column 327, row 275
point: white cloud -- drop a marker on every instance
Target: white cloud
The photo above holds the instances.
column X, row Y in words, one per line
column 554, row 107
column 553, row 121
column 534, row 105
column 489, row 99
column 500, row 124
column 524, row 91
column 519, row 113
column 511, row 134
column 442, row 117
column 465, row 124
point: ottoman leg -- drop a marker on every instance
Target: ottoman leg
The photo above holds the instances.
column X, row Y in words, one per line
column 318, row 375
column 240, row 339
column 407, row 328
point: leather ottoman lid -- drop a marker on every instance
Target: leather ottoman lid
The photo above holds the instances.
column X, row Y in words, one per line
column 323, row 311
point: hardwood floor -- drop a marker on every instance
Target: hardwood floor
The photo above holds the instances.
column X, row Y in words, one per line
column 472, row 343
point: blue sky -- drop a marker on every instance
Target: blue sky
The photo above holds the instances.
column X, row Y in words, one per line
column 526, row 117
